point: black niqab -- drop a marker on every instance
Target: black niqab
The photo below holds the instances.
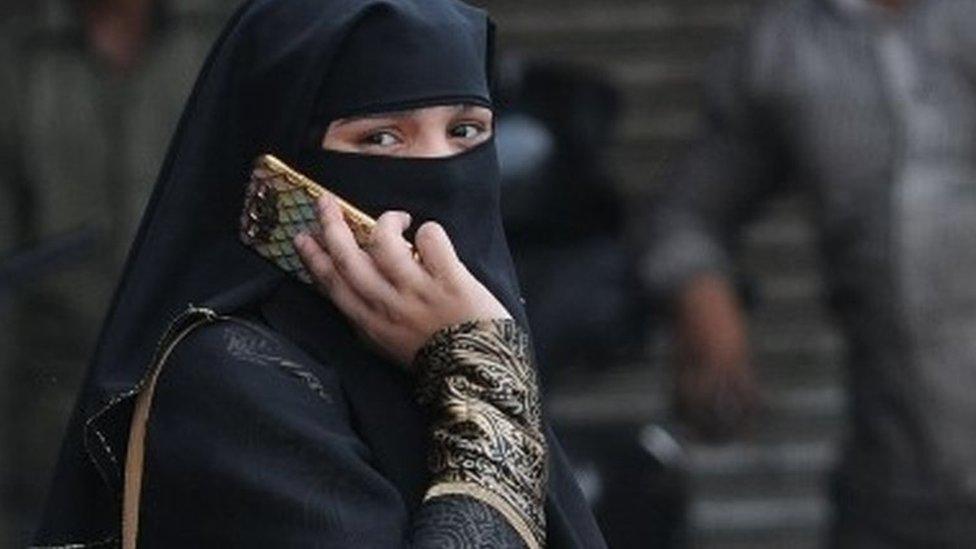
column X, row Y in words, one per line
column 280, row 69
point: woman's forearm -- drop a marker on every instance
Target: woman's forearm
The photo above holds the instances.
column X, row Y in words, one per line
column 461, row 522
column 478, row 385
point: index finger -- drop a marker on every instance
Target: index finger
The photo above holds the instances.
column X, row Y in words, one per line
column 351, row 263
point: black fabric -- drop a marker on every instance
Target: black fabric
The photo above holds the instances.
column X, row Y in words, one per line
column 406, row 54
column 243, row 421
column 380, row 395
column 459, row 521
column 460, row 192
column 262, row 88
column 262, row 444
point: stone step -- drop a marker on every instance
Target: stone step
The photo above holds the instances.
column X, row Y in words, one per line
column 598, row 50
column 760, row 262
column 653, row 82
column 737, row 518
column 669, row 124
column 637, row 399
column 772, row 483
column 802, row 539
column 607, row 22
column 788, row 229
column 743, row 462
column 671, row 127
column 648, row 394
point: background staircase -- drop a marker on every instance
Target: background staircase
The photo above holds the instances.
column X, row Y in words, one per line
column 768, row 490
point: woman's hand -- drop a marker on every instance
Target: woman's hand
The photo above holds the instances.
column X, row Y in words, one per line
column 396, row 301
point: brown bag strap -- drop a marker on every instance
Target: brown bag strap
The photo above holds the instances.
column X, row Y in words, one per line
column 135, row 455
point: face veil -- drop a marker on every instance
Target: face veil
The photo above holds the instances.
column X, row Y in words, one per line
column 403, row 59
column 279, row 69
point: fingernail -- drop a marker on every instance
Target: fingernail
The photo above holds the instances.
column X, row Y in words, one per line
column 407, row 218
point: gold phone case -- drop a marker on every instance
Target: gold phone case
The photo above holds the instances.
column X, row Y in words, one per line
column 279, row 204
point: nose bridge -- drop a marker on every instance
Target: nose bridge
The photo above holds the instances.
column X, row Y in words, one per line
column 433, row 141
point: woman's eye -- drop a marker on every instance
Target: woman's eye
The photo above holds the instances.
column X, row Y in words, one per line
column 467, row 130
column 381, row 139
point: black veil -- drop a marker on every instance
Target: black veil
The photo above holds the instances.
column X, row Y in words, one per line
column 259, row 91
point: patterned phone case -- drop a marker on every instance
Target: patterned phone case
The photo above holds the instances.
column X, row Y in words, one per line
column 279, row 204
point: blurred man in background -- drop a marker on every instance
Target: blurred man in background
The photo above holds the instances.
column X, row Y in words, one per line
column 90, row 92
column 867, row 107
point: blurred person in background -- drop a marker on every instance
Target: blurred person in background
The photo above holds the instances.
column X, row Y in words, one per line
column 563, row 207
column 90, row 91
column 564, row 218
column 868, row 108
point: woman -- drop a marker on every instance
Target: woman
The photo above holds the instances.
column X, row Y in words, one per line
column 274, row 421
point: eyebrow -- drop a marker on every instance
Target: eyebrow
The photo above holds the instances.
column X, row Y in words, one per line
column 396, row 114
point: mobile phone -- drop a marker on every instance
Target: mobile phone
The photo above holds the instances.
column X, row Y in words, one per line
column 279, row 204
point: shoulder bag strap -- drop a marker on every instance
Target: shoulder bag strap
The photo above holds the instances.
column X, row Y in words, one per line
column 135, row 455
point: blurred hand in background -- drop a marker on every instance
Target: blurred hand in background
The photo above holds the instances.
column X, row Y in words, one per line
column 715, row 388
